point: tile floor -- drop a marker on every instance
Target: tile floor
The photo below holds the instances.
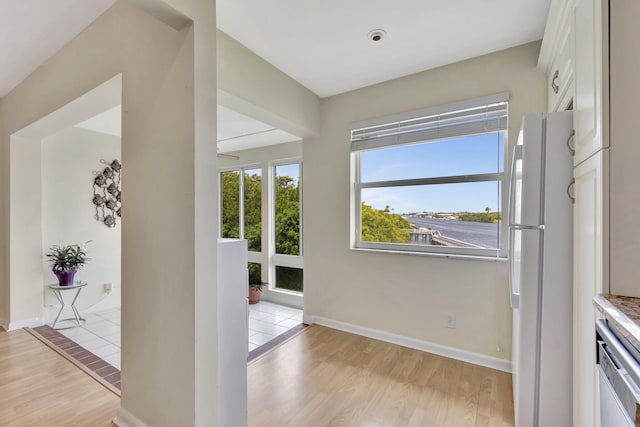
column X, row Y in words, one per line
column 101, row 332
column 267, row 320
column 100, row 335
column 109, row 373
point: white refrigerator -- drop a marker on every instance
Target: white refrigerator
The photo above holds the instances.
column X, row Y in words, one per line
column 541, row 270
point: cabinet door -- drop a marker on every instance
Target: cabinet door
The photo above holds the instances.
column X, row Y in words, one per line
column 560, row 85
column 589, row 275
column 591, row 53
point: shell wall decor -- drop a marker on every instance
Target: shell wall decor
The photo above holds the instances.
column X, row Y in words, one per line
column 106, row 193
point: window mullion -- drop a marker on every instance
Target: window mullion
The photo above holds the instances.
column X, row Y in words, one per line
column 241, row 204
column 437, row 180
column 358, row 198
column 220, row 209
column 301, row 208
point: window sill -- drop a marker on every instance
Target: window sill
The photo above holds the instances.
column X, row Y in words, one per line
column 286, row 292
column 431, row 254
column 281, row 296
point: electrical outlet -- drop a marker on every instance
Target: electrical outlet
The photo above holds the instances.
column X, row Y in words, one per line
column 108, row 287
column 451, row 321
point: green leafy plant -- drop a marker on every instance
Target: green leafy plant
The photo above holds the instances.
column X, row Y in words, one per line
column 257, row 286
column 255, row 276
column 65, row 258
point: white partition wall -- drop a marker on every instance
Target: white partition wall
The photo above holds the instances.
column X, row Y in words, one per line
column 233, row 290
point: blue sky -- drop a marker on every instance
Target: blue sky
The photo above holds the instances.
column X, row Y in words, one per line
column 292, row 170
column 464, row 156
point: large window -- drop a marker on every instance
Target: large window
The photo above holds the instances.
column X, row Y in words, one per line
column 241, row 216
column 287, row 220
column 431, row 180
column 241, row 206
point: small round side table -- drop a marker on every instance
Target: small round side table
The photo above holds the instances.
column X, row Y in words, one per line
column 57, row 291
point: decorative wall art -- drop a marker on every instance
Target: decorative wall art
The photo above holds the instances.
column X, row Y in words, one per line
column 106, row 193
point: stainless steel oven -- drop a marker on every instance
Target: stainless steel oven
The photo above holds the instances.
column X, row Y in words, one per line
column 619, row 372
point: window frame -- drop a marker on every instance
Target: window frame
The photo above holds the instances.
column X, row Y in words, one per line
column 283, row 260
column 358, row 186
column 486, row 115
column 253, row 256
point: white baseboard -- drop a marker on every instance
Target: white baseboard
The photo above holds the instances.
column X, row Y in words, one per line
column 125, row 418
column 428, row 347
column 27, row 323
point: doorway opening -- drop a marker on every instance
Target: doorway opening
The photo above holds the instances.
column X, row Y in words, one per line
column 57, row 201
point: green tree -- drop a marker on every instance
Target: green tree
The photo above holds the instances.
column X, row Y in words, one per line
column 252, row 208
column 486, row 216
column 287, row 230
column 230, row 183
column 287, row 210
column 383, row 226
column 253, row 211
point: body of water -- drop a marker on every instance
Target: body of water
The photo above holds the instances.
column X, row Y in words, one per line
column 484, row 234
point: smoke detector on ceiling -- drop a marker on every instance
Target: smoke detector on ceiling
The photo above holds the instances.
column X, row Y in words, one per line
column 376, row 35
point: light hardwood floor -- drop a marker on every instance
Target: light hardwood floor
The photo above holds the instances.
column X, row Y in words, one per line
column 38, row 387
column 325, row 377
column 321, row 377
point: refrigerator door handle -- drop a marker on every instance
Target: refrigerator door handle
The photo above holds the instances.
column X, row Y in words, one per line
column 572, row 137
column 517, row 155
column 526, row 227
column 514, row 297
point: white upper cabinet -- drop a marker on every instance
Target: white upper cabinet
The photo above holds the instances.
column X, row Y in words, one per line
column 591, row 70
column 560, row 85
column 556, row 56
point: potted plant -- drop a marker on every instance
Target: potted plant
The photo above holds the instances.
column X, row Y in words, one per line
column 65, row 261
column 255, row 282
column 255, row 289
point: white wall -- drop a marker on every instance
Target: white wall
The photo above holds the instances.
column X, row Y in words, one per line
column 169, row 124
column 409, row 295
column 252, row 86
column 4, row 227
column 25, row 245
column 68, row 216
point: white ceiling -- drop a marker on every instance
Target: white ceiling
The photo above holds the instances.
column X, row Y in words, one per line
column 109, row 122
column 324, row 45
column 235, row 131
column 31, row 31
column 239, row 132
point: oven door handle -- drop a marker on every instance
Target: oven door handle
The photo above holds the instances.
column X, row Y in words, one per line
column 628, row 362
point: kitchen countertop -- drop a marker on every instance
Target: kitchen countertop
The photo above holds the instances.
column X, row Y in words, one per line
column 623, row 313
